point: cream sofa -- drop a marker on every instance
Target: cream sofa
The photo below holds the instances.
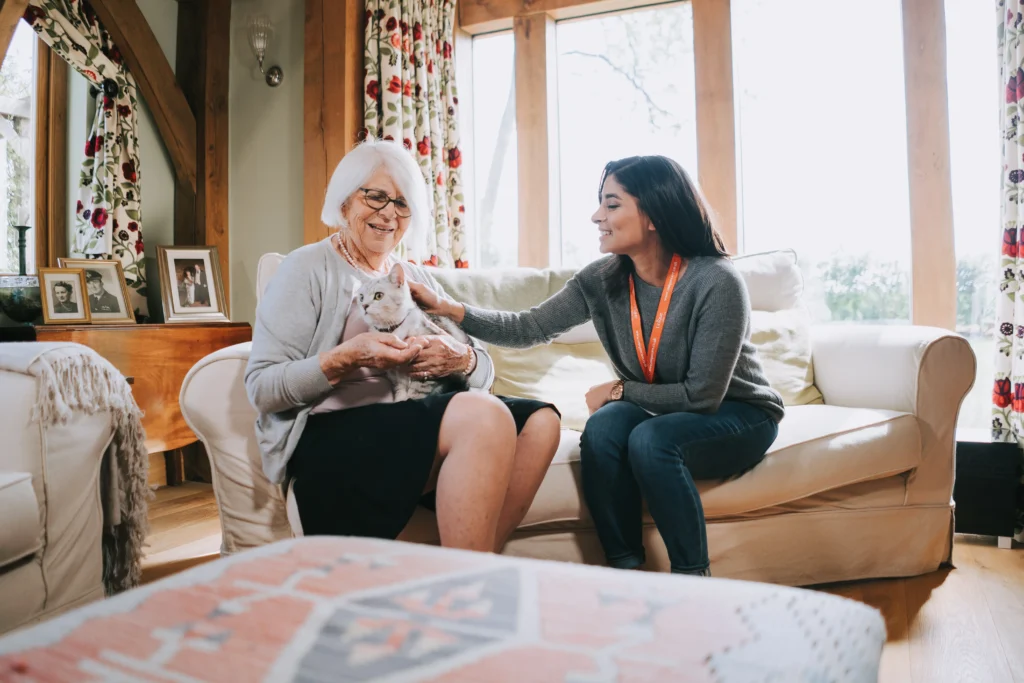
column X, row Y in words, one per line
column 51, row 518
column 857, row 485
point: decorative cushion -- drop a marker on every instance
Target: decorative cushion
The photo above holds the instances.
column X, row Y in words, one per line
column 558, row 373
column 773, row 279
column 783, row 341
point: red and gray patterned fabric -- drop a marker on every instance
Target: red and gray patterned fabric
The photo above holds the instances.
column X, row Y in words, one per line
column 342, row 609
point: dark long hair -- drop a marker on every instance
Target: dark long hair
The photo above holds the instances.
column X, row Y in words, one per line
column 672, row 202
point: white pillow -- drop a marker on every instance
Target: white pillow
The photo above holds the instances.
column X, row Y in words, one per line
column 773, row 279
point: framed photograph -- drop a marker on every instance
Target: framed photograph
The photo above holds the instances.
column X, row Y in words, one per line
column 63, row 293
column 106, row 290
column 191, row 284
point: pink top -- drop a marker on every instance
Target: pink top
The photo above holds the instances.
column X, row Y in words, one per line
column 362, row 386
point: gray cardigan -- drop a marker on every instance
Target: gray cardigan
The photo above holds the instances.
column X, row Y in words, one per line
column 301, row 314
column 705, row 356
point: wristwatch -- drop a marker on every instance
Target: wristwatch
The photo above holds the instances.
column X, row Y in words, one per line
column 616, row 393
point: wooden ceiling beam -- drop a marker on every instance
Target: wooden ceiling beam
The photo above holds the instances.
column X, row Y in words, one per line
column 11, row 12
column 174, row 119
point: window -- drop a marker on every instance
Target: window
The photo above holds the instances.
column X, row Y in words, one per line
column 495, row 171
column 975, row 150
column 625, row 87
column 822, row 149
column 17, row 147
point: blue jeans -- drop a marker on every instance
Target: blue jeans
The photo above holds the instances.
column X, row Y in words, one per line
column 628, row 455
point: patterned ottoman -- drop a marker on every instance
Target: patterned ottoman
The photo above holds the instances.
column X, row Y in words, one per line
column 346, row 609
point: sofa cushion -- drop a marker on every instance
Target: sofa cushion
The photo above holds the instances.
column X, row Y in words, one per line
column 21, row 533
column 819, row 448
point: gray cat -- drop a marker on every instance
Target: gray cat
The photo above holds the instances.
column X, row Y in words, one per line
column 387, row 306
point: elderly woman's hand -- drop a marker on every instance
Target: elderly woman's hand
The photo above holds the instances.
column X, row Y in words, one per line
column 367, row 350
column 440, row 356
column 431, row 303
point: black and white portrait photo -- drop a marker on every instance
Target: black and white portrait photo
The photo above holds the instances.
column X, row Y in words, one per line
column 106, row 290
column 63, row 293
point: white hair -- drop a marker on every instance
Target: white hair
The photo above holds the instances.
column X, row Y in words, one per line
column 363, row 161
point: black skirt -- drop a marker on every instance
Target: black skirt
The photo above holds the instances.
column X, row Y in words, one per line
column 362, row 471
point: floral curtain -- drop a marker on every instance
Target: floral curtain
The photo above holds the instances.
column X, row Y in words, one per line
column 410, row 96
column 108, row 219
column 1008, row 392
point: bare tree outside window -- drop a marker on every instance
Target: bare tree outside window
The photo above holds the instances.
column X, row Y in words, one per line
column 17, row 131
column 625, row 87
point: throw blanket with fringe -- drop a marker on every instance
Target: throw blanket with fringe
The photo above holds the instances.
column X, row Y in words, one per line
column 74, row 378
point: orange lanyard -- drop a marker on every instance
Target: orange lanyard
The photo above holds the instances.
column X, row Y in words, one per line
column 647, row 360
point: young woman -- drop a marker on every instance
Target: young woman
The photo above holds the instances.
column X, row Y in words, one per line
column 673, row 314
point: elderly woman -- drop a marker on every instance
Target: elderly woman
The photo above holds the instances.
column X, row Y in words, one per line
column 358, row 462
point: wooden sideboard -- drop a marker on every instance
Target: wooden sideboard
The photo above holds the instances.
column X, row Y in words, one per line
column 156, row 359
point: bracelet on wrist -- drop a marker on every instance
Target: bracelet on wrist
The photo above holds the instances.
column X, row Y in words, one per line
column 472, row 361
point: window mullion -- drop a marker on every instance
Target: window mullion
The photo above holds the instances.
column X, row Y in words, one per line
column 716, row 130
column 933, row 261
column 537, row 126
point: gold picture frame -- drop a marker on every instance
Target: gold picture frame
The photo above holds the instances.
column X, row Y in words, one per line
column 63, row 293
column 191, row 288
column 110, row 275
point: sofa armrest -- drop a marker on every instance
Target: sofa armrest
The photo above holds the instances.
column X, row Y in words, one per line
column 895, row 367
column 215, row 406
column 61, row 465
column 925, row 371
column 21, row 534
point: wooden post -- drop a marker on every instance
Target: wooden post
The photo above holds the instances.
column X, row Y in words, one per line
column 333, row 98
column 716, row 128
column 203, row 62
column 931, row 203
column 536, row 123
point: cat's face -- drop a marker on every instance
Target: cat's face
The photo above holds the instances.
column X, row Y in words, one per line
column 385, row 301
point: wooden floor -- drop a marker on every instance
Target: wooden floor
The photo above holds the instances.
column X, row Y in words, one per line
column 184, row 530
column 961, row 625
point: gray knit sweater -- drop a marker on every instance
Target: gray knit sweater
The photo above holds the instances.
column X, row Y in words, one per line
column 705, row 355
column 301, row 314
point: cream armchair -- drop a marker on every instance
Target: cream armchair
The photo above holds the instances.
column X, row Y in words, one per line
column 857, row 485
column 52, row 522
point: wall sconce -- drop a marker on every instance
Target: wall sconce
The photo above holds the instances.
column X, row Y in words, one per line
column 260, row 31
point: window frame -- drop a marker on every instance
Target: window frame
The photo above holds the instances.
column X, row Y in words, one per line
column 51, row 157
column 933, row 262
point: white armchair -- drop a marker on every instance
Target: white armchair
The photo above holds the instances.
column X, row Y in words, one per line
column 52, row 520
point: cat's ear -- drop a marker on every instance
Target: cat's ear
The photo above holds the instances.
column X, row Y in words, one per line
column 397, row 275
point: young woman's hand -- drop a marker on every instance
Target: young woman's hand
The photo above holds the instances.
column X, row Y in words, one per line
column 368, row 350
column 431, row 303
column 599, row 395
column 441, row 356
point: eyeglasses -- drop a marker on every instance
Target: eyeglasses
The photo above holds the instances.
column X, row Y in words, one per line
column 377, row 200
